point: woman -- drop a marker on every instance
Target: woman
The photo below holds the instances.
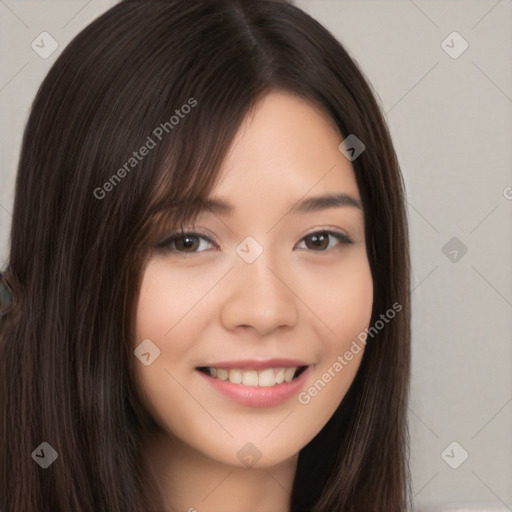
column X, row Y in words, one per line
column 209, row 272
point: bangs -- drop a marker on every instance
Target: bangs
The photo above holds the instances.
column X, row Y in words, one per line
column 188, row 167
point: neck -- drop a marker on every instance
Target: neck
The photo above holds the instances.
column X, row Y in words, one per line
column 192, row 482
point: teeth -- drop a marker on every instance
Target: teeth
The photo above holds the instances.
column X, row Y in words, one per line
column 280, row 376
column 249, row 378
column 222, row 373
column 235, row 376
column 289, row 373
column 263, row 378
column 266, row 377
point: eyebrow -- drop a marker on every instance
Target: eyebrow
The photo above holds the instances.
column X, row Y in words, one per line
column 311, row 204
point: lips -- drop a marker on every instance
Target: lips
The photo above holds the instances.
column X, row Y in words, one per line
column 257, row 383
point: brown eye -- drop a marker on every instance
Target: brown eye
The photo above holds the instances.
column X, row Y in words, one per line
column 320, row 241
column 185, row 243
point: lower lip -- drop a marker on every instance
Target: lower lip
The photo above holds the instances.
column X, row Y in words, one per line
column 256, row 396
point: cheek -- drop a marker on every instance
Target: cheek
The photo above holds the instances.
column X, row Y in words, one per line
column 344, row 302
column 161, row 315
column 341, row 297
column 163, row 300
column 169, row 305
column 352, row 308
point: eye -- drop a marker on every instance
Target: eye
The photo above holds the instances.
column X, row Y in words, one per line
column 320, row 241
column 191, row 242
column 186, row 243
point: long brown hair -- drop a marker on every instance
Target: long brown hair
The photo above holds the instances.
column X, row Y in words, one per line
column 82, row 229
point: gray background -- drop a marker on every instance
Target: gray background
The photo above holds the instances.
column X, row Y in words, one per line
column 450, row 119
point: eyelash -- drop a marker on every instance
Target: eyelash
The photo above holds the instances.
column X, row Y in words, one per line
column 167, row 243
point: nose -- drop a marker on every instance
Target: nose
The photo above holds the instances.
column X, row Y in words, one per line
column 259, row 297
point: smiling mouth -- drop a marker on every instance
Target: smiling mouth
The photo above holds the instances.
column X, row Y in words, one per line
column 267, row 377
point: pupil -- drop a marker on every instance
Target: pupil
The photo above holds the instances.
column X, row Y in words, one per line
column 318, row 239
column 187, row 242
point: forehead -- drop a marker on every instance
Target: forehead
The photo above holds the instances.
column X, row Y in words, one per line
column 285, row 150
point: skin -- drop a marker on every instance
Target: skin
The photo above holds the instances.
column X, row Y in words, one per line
column 296, row 300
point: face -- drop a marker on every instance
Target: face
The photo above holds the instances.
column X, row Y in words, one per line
column 250, row 316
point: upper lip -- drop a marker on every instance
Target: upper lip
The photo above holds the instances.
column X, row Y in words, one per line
column 257, row 364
